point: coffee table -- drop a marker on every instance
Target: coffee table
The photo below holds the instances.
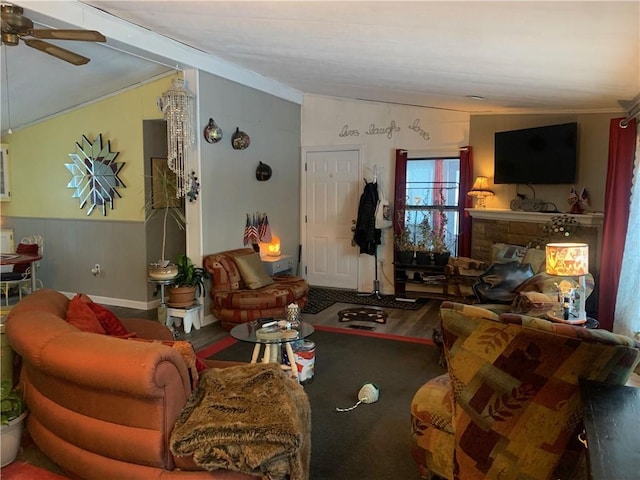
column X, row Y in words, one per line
column 248, row 332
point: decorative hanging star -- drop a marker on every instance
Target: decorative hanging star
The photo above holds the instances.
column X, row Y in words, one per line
column 95, row 174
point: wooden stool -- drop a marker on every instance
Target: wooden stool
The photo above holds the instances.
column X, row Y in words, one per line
column 189, row 315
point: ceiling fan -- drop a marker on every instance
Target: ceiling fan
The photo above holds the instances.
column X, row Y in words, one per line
column 15, row 27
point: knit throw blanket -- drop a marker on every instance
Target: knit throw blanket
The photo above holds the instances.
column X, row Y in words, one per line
column 250, row 418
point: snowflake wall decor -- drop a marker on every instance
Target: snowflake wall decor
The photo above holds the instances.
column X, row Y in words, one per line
column 95, row 174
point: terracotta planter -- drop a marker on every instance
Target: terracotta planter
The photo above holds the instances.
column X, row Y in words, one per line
column 181, row 296
column 10, row 436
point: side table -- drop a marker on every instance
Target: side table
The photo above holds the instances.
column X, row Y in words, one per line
column 277, row 265
column 247, row 332
column 162, row 308
column 190, row 316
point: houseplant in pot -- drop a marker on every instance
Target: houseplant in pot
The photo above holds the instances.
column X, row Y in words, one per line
column 13, row 412
column 163, row 201
column 188, row 283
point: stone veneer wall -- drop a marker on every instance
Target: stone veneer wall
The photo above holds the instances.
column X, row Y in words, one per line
column 486, row 232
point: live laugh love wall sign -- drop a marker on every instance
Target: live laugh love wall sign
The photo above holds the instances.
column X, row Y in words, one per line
column 387, row 131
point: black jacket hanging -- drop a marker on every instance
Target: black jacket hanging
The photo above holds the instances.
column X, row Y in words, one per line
column 366, row 235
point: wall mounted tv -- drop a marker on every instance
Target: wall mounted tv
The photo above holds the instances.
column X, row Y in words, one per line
column 541, row 155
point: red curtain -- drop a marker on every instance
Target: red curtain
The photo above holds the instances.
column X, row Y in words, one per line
column 616, row 216
column 464, row 201
column 400, row 191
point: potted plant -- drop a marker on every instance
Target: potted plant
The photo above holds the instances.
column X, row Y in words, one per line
column 404, row 247
column 13, row 412
column 165, row 185
column 441, row 252
column 188, row 283
column 424, row 250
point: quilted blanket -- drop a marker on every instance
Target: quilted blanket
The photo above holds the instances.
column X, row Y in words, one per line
column 249, row 418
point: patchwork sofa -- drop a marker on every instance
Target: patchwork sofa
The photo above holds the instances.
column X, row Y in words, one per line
column 101, row 406
column 509, row 406
column 242, row 291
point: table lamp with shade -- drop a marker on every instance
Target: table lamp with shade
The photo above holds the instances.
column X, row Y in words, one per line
column 570, row 260
column 480, row 190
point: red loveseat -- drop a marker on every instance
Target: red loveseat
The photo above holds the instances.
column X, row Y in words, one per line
column 232, row 302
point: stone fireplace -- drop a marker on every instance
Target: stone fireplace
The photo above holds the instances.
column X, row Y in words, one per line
column 518, row 227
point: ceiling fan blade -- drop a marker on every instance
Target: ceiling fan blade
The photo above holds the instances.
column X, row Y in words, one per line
column 58, row 52
column 81, row 35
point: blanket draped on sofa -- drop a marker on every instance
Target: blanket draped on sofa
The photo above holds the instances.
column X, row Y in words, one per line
column 251, row 418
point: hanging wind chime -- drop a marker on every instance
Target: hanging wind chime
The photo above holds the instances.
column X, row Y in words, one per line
column 177, row 106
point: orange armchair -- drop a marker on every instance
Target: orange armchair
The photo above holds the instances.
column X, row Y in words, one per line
column 509, row 406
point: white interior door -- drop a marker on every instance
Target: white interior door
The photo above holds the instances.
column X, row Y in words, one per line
column 332, row 197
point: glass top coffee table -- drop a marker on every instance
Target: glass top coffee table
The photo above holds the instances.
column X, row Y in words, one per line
column 272, row 335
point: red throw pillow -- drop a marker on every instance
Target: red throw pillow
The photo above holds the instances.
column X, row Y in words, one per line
column 111, row 324
column 28, row 248
column 82, row 317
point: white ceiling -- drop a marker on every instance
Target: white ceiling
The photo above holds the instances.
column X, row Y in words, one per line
column 530, row 57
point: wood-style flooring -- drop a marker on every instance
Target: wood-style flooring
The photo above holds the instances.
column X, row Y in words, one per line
column 407, row 323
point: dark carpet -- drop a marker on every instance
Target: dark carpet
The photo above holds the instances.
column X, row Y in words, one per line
column 320, row 298
column 372, row 441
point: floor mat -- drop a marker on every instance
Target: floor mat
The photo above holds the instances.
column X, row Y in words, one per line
column 320, row 298
column 362, row 314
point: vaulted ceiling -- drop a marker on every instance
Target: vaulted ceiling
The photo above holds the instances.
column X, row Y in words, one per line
column 533, row 57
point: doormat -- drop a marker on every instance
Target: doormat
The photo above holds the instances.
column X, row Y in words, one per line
column 363, row 314
column 320, row 298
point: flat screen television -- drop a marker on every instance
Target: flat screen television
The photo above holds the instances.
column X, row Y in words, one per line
column 540, row 155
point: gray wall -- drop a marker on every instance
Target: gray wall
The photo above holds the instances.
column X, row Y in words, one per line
column 229, row 189
column 72, row 247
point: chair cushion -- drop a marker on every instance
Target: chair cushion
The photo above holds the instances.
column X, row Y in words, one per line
column 28, row 248
column 252, row 271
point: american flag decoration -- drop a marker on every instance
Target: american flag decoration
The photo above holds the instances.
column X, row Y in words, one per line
column 250, row 231
column 264, row 230
column 257, row 229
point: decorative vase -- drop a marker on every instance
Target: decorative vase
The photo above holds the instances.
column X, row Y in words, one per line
column 181, row 297
column 10, row 437
column 156, row 271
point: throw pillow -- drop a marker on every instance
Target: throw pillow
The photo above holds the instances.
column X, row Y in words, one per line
column 252, row 271
column 536, row 258
column 110, row 323
column 504, row 252
column 82, row 317
column 28, row 248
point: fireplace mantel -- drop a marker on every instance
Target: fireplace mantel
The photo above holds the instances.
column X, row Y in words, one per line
column 586, row 219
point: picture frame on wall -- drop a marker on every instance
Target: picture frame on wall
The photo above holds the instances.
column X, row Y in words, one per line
column 161, row 174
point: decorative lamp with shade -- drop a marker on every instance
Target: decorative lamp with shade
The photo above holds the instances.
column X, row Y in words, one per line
column 570, row 260
column 480, row 190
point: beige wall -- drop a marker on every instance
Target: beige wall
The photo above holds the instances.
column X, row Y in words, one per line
column 593, row 146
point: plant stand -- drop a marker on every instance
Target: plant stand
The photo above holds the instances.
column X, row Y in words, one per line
column 162, row 308
column 190, row 317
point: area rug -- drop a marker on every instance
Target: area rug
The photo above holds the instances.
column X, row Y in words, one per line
column 24, row 471
column 320, row 298
column 371, row 441
column 363, row 314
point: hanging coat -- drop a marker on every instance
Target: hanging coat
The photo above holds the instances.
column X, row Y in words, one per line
column 366, row 235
